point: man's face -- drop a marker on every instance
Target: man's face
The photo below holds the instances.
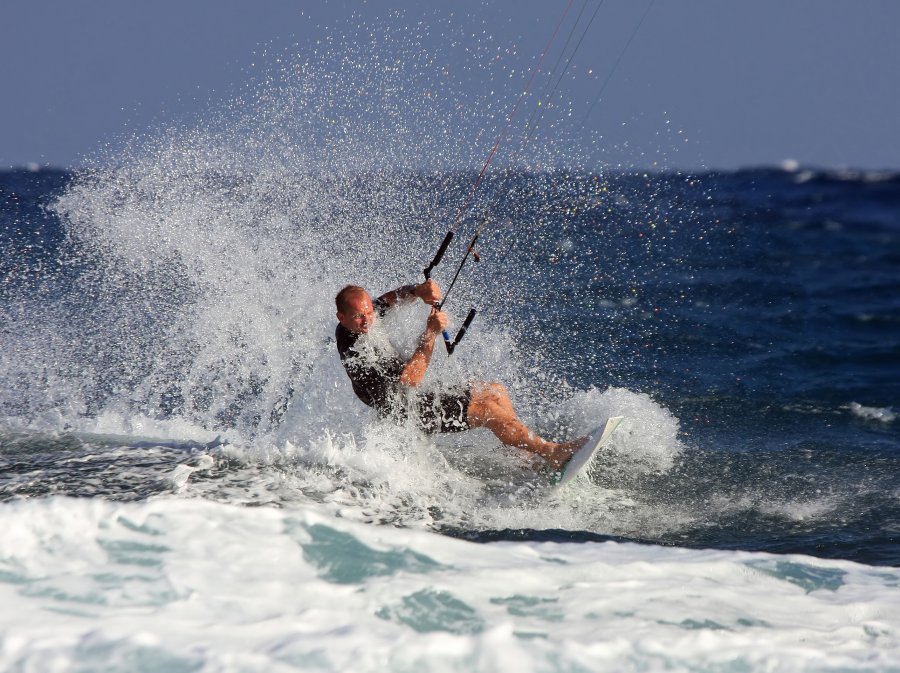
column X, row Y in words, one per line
column 358, row 314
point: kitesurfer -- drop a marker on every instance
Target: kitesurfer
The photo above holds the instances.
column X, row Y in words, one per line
column 388, row 384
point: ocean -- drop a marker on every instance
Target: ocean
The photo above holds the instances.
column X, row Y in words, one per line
column 188, row 483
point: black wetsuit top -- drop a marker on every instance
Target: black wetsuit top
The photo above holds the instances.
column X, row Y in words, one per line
column 375, row 377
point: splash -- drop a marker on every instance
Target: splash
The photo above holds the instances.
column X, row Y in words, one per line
column 194, row 291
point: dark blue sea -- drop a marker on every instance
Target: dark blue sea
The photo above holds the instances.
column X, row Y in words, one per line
column 179, row 445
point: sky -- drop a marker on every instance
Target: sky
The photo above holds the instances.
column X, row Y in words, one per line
column 704, row 84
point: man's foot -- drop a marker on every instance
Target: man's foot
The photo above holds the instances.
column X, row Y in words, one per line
column 560, row 454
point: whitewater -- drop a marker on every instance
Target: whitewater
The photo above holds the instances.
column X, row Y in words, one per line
column 184, row 585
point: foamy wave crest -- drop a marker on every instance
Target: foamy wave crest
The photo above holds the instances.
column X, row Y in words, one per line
column 89, row 584
column 881, row 414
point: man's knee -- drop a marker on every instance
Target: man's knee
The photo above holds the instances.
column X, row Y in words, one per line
column 489, row 400
column 492, row 390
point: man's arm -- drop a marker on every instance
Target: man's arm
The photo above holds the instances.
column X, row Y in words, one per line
column 415, row 368
column 429, row 292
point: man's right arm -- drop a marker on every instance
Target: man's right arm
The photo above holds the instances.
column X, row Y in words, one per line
column 415, row 368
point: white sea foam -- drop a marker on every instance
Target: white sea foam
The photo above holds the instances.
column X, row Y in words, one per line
column 881, row 414
column 790, row 165
column 646, row 441
column 193, row 585
column 376, row 471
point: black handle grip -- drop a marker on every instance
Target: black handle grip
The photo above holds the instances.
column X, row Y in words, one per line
column 461, row 333
column 447, row 343
column 439, row 255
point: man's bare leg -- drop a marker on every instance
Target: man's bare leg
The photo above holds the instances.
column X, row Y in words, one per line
column 491, row 408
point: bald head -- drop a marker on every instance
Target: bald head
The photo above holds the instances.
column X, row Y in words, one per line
column 347, row 294
column 354, row 309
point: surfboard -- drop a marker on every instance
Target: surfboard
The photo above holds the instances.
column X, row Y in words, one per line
column 583, row 456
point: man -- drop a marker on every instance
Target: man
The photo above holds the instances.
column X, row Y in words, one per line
column 380, row 377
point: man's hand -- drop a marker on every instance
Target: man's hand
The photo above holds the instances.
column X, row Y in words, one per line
column 429, row 292
column 437, row 321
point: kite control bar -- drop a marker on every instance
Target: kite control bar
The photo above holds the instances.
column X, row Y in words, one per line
column 438, row 256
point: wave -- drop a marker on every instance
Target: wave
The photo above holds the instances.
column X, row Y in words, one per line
column 139, row 584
